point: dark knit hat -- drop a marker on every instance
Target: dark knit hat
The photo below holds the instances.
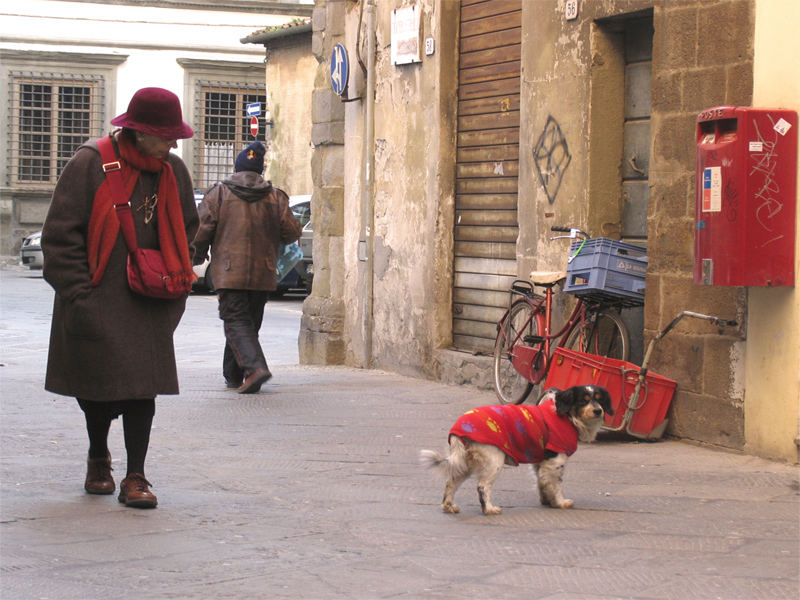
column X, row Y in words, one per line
column 155, row 111
column 251, row 158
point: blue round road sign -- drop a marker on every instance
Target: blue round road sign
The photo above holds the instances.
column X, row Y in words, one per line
column 340, row 69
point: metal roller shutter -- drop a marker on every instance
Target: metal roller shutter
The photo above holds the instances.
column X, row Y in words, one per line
column 487, row 165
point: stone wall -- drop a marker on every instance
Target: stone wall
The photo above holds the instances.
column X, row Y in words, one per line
column 321, row 330
column 702, row 57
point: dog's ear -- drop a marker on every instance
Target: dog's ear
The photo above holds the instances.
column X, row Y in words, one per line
column 548, row 394
column 604, row 399
column 565, row 400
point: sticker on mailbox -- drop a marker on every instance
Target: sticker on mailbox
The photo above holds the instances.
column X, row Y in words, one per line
column 712, row 189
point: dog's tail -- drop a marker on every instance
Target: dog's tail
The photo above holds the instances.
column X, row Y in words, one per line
column 431, row 459
column 448, row 466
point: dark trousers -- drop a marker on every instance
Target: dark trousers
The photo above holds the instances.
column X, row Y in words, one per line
column 242, row 312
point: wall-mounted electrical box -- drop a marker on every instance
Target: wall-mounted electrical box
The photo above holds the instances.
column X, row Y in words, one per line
column 746, row 197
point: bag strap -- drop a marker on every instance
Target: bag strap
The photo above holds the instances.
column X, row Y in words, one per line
column 113, row 170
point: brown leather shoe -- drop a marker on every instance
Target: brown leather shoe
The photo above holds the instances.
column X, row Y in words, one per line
column 253, row 382
column 134, row 492
column 98, row 476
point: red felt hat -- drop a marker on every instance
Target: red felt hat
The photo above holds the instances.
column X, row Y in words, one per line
column 155, row 111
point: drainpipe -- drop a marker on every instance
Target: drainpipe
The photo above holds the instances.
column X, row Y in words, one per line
column 365, row 239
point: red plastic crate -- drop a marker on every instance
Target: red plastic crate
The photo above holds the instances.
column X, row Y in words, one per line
column 648, row 418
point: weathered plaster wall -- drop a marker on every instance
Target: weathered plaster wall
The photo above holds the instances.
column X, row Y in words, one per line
column 413, row 194
column 290, row 73
column 773, row 347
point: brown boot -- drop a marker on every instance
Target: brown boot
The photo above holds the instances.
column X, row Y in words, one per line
column 134, row 491
column 253, row 382
column 98, row 476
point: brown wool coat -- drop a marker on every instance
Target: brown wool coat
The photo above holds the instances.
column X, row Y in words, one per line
column 107, row 343
column 244, row 223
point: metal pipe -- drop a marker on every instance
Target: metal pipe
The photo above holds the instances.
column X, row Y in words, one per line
column 365, row 242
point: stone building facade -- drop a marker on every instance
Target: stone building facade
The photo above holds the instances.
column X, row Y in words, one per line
column 68, row 67
column 598, row 132
column 290, row 74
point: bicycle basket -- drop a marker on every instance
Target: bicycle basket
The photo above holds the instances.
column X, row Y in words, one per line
column 606, row 270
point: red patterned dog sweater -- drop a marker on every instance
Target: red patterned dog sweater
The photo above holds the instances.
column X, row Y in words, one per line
column 522, row 432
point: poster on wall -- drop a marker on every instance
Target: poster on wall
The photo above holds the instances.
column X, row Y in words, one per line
column 405, row 35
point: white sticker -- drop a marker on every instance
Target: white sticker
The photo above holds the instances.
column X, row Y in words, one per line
column 756, row 146
column 782, row 126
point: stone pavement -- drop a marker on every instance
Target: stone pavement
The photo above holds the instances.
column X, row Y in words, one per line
column 312, row 489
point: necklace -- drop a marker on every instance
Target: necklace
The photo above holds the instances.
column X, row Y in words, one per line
column 148, row 207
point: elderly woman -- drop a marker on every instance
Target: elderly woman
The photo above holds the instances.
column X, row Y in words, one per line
column 109, row 347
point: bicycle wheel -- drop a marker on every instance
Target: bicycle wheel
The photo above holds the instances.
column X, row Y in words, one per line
column 519, row 322
column 604, row 334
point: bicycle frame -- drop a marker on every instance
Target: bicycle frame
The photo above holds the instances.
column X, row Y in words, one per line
column 525, row 340
column 533, row 361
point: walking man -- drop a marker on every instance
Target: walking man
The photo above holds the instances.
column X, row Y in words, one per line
column 244, row 219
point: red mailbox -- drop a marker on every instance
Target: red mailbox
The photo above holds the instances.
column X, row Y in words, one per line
column 746, row 197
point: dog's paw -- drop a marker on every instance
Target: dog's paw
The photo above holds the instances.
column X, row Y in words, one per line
column 565, row 504
column 450, row 508
column 493, row 510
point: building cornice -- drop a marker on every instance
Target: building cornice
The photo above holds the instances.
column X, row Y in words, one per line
column 261, row 7
column 92, row 58
column 13, row 39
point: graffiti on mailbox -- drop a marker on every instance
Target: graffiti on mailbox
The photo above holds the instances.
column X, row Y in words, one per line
column 765, row 163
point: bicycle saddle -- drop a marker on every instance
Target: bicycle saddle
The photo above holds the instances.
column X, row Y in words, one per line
column 546, row 278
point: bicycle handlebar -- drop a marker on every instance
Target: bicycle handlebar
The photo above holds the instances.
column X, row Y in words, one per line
column 573, row 232
column 718, row 321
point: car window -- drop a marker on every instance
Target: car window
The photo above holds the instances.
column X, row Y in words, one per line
column 303, row 212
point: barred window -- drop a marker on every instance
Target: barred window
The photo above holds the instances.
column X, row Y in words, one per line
column 225, row 129
column 50, row 118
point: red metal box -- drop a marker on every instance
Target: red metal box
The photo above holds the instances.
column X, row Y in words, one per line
column 643, row 417
column 746, row 197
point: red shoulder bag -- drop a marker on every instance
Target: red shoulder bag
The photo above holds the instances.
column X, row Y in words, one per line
column 147, row 272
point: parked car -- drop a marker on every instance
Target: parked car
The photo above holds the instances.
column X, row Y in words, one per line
column 298, row 278
column 301, row 206
column 31, row 251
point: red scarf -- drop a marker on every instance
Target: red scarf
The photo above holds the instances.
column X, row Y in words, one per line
column 104, row 225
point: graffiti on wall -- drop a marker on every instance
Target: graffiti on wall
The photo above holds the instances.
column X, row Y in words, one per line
column 551, row 157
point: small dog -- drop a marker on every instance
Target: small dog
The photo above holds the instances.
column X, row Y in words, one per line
column 484, row 439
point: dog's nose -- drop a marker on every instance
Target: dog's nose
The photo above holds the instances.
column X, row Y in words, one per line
column 598, row 412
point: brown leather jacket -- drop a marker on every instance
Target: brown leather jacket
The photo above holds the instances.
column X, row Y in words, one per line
column 244, row 220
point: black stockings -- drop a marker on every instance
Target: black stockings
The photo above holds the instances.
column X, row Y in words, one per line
column 137, row 420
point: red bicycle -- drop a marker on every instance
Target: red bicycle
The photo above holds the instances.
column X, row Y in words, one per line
column 525, row 339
